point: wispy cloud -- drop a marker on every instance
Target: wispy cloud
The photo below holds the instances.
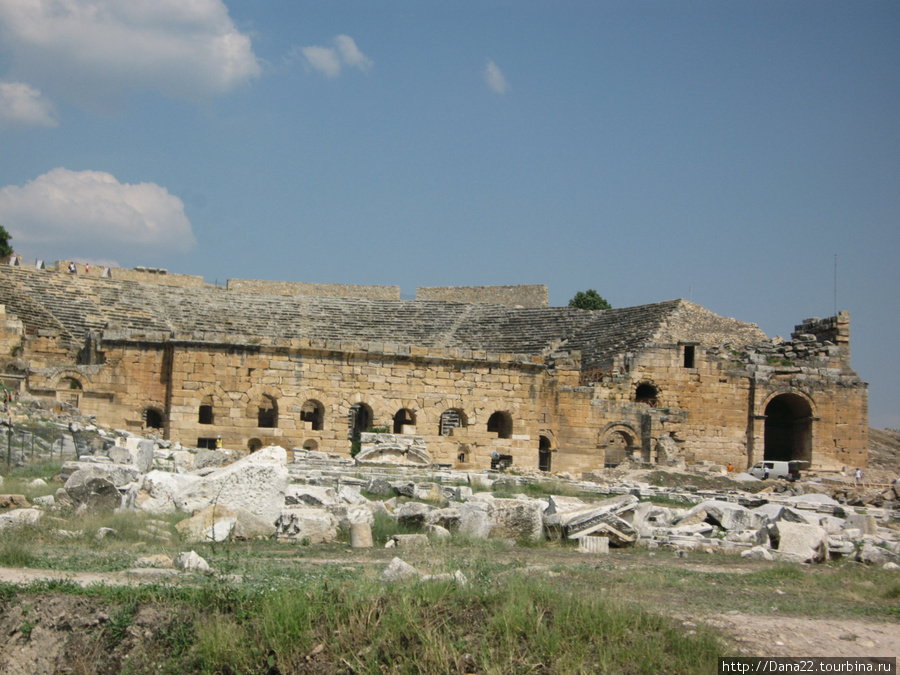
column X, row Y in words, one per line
column 98, row 49
column 494, row 78
column 23, row 105
column 92, row 213
column 329, row 61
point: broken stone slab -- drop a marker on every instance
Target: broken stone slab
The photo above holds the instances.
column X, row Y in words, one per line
column 876, row 555
column 619, row 531
column 213, row 524
column 437, row 533
column 350, row 494
column 257, row 483
column 474, row 520
column 445, row 577
column 758, row 537
column 156, row 561
column 310, row 495
column 155, row 491
column 557, row 504
column 379, row 487
column 307, row 525
column 119, row 475
column 757, row 553
column 410, row 540
column 205, row 458
column 413, row 514
column 796, row 541
column 191, row 562
column 19, row 518
column 516, row 519
column 572, row 522
column 398, row 570
column 93, row 494
column 13, row 501
column 447, row 518
column 728, row 516
column 865, row 522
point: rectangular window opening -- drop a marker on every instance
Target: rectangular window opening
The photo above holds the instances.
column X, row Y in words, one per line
column 689, row 356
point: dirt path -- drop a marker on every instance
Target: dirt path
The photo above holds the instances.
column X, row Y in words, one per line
column 777, row 636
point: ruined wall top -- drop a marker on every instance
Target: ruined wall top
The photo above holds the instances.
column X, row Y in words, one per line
column 314, row 290
column 834, row 329
column 533, row 295
column 144, row 275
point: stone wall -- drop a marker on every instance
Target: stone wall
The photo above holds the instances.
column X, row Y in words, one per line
column 12, row 330
column 314, row 290
column 144, row 275
column 534, row 295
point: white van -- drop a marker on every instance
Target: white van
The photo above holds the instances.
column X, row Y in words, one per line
column 774, row 469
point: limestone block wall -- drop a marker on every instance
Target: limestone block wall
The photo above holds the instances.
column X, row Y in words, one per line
column 534, row 295
column 237, row 380
column 12, row 330
column 314, row 290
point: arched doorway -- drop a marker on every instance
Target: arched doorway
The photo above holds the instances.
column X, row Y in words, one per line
column 788, row 433
column 359, row 420
column 544, row 454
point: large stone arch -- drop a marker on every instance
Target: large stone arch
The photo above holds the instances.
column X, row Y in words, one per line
column 61, row 380
column 258, row 395
column 618, row 441
column 788, row 419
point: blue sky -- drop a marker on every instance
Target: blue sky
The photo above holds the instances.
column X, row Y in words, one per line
column 722, row 152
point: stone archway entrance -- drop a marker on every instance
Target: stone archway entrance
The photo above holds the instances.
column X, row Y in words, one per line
column 788, row 432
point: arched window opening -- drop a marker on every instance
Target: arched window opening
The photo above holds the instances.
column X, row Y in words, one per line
column 153, row 419
column 359, row 420
column 544, row 454
column 69, row 383
column 452, row 419
column 268, row 413
column 788, row 430
column 500, row 423
column 646, row 393
column 310, row 444
column 617, row 450
column 404, row 418
column 205, row 413
column 463, row 454
column 254, row 444
column 313, row 415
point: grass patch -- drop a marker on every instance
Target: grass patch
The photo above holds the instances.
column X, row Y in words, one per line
column 497, row 623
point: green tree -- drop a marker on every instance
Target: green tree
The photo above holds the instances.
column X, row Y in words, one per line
column 6, row 249
column 589, row 299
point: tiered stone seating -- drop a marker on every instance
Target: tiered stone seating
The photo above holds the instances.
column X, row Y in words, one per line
column 73, row 305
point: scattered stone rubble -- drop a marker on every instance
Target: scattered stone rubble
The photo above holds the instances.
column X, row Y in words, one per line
column 308, row 497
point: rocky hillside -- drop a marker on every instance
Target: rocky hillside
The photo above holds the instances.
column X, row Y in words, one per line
column 884, row 450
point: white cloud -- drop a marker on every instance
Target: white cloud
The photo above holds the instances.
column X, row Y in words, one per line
column 94, row 214
column 90, row 48
column 323, row 59
column 350, row 53
column 22, row 105
column 494, row 79
column 329, row 61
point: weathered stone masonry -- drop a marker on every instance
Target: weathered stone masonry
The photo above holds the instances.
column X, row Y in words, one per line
column 553, row 388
